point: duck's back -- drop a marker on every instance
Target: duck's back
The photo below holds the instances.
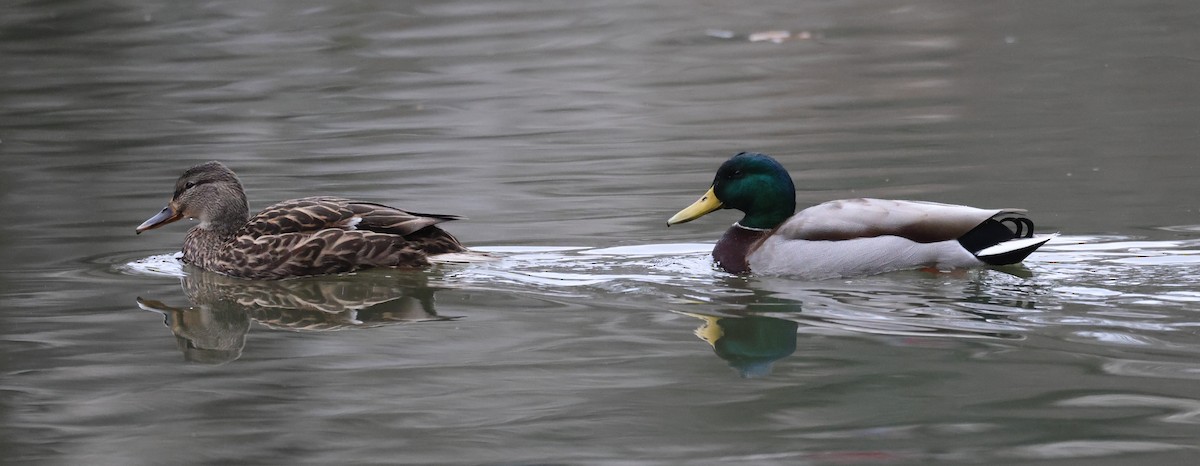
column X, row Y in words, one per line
column 312, row 214
column 918, row 221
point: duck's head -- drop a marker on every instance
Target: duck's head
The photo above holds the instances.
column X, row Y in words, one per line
column 750, row 182
column 209, row 192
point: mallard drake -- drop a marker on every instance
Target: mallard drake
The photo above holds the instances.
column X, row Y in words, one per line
column 298, row 237
column 849, row 237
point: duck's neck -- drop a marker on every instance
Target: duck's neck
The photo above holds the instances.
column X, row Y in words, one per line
column 218, row 225
column 228, row 216
column 735, row 246
column 769, row 210
column 202, row 245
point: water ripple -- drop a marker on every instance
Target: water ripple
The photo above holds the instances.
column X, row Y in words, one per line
column 978, row 304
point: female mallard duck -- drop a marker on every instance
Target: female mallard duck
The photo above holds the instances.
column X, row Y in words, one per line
column 309, row 236
column 849, row 237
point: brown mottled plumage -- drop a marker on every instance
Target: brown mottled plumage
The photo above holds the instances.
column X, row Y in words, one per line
column 299, row 237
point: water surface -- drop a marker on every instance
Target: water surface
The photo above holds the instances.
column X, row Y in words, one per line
column 568, row 134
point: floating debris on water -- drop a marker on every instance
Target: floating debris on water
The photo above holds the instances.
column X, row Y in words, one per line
column 720, row 33
column 775, row 36
column 770, row 36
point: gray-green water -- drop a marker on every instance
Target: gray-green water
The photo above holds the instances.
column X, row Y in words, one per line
column 568, row 133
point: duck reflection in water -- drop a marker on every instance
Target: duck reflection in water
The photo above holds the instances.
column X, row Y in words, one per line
column 213, row 329
column 750, row 344
column 753, row 326
column 739, row 332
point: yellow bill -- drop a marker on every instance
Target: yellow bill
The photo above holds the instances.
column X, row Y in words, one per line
column 706, row 204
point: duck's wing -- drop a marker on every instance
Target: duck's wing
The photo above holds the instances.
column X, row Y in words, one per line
column 325, row 235
column 313, row 214
column 417, row 229
column 919, row 221
column 384, row 219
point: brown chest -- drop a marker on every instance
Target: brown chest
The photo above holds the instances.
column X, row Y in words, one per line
column 735, row 245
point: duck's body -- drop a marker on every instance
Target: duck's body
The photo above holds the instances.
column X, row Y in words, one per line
column 299, row 237
column 850, row 237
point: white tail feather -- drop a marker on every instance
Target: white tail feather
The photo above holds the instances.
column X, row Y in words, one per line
column 1014, row 245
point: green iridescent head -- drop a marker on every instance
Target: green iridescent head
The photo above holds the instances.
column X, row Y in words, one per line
column 753, row 183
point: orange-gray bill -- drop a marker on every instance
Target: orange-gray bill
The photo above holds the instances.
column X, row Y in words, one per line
column 707, row 203
column 167, row 215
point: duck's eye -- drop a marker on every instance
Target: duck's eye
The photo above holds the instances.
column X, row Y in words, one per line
column 189, row 185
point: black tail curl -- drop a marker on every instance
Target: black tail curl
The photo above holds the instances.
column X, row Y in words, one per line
column 994, row 231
